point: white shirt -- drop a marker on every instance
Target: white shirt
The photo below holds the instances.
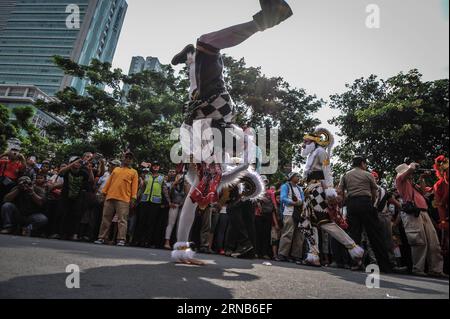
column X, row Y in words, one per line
column 289, row 210
column 102, row 181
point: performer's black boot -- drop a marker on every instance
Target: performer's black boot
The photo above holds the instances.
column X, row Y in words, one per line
column 273, row 13
column 182, row 56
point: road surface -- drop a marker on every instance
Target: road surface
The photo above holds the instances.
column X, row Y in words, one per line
column 36, row 268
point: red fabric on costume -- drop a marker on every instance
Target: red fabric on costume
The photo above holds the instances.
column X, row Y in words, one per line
column 206, row 191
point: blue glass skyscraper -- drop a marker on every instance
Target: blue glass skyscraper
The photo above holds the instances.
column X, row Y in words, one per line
column 32, row 31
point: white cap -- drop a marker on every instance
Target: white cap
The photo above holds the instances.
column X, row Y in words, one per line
column 402, row 168
column 14, row 144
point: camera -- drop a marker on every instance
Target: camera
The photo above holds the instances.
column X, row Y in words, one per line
column 25, row 183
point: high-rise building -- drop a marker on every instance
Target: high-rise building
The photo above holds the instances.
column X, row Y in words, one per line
column 33, row 31
column 14, row 95
column 139, row 64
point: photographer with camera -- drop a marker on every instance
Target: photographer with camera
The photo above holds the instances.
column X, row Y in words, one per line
column 420, row 232
column 94, row 166
column 24, row 206
column 76, row 184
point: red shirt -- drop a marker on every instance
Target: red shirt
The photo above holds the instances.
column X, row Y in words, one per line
column 10, row 169
column 409, row 193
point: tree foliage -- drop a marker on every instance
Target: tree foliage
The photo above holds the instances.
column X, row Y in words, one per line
column 389, row 120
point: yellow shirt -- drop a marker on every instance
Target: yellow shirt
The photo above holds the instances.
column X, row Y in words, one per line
column 122, row 185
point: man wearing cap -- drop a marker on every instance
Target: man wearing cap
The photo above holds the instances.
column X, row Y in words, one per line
column 360, row 189
column 11, row 168
column 120, row 191
column 382, row 202
column 420, row 232
column 291, row 241
column 100, row 197
column 24, row 206
column 150, row 212
column 32, row 168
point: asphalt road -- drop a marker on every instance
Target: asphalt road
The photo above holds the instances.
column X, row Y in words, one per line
column 36, row 268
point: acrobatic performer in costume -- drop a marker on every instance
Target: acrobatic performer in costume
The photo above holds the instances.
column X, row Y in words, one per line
column 211, row 106
column 440, row 202
column 321, row 197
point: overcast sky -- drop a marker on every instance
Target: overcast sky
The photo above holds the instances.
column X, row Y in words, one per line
column 325, row 45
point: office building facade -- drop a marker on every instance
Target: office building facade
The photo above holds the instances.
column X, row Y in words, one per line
column 33, row 31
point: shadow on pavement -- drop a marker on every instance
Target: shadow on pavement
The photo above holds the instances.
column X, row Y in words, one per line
column 130, row 281
column 385, row 280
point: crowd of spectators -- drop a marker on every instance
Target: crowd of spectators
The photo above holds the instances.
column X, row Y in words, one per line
column 120, row 202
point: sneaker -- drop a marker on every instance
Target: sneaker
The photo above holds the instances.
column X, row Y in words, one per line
column 400, row 270
column 281, row 258
column 54, row 236
column 222, row 252
column 26, row 231
column 182, row 56
column 6, row 231
column 121, row 243
column 242, row 251
column 358, row 267
column 438, row 275
column 273, row 13
column 419, row 274
column 99, row 241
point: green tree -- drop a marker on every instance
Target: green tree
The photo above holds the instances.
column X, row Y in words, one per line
column 19, row 126
column 389, row 120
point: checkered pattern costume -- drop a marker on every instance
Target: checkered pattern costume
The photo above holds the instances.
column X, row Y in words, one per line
column 219, row 107
column 316, row 209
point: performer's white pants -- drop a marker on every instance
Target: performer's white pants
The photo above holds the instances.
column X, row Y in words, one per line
column 334, row 231
column 186, row 218
column 339, row 234
column 173, row 215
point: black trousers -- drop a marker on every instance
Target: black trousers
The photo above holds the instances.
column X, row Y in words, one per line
column 242, row 220
column 263, row 227
column 54, row 215
column 362, row 215
column 339, row 252
column 72, row 212
column 147, row 224
column 221, row 231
